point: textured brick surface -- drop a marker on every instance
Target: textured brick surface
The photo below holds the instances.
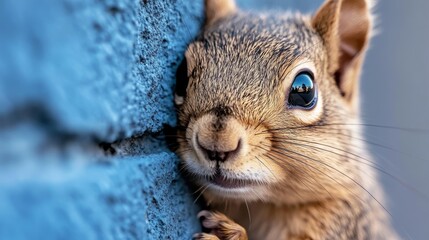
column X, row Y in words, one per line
column 74, row 73
column 97, row 67
column 126, row 198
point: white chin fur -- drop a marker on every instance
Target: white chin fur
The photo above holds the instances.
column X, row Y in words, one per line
column 248, row 193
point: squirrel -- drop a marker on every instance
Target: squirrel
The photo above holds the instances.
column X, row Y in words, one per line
column 268, row 124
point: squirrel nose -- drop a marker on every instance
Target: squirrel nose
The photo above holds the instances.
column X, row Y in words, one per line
column 219, row 154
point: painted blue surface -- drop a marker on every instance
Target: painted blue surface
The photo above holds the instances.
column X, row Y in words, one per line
column 125, row 198
column 73, row 74
column 98, row 67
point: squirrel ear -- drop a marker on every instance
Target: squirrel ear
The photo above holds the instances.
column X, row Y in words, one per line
column 216, row 9
column 345, row 27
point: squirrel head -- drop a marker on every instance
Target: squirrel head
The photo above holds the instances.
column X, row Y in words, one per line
column 264, row 100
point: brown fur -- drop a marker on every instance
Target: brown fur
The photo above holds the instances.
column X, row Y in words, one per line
column 304, row 173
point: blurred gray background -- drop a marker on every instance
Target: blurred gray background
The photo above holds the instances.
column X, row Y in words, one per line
column 394, row 93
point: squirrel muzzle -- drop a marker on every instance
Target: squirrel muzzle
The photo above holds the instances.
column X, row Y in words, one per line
column 218, row 138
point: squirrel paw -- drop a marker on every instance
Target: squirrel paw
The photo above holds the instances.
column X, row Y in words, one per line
column 204, row 236
column 220, row 226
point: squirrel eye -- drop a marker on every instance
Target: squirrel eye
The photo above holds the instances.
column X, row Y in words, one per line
column 182, row 80
column 303, row 92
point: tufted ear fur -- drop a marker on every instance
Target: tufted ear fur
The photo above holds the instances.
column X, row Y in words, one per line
column 216, row 9
column 345, row 27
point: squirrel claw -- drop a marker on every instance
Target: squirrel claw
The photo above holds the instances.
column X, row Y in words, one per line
column 204, row 236
column 220, row 227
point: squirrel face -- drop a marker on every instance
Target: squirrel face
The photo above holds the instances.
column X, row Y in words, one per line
column 242, row 137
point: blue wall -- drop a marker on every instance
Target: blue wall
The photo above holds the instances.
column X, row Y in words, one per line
column 77, row 73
